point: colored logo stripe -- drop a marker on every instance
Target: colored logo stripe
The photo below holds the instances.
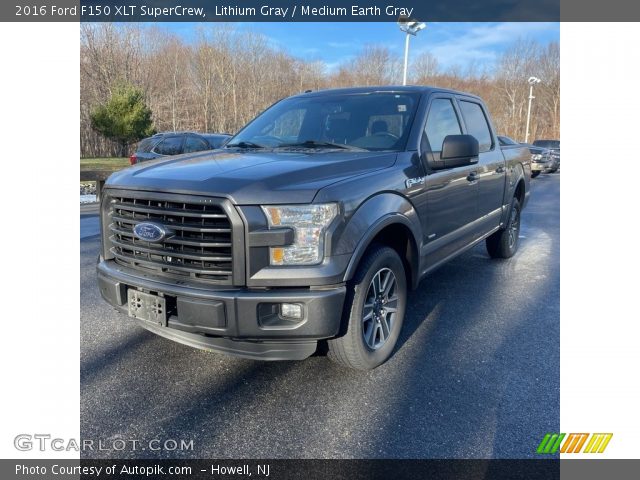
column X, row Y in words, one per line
column 574, row 442
column 550, row 443
column 598, row 442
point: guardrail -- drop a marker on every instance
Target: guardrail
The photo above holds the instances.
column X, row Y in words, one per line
column 98, row 176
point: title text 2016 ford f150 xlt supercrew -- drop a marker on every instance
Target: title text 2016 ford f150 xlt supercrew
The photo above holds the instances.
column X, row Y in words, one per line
column 311, row 224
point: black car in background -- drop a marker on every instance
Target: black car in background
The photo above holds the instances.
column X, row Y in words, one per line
column 550, row 144
column 541, row 160
column 553, row 146
column 545, row 154
column 175, row 143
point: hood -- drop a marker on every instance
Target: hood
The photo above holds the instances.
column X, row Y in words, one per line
column 254, row 177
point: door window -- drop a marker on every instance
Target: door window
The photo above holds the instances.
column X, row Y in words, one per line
column 477, row 124
column 195, row 144
column 169, row 146
column 442, row 121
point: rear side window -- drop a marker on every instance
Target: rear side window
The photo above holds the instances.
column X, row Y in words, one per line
column 442, row 121
column 477, row 124
column 195, row 144
column 147, row 144
column 169, row 146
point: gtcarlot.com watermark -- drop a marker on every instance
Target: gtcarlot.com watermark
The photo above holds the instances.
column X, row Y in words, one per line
column 44, row 442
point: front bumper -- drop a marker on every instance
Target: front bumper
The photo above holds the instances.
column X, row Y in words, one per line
column 540, row 167
column 231, row 320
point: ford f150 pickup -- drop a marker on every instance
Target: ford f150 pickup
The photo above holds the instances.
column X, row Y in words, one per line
column 311, row 224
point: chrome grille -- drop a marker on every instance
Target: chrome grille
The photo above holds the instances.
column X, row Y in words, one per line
column 199, row 247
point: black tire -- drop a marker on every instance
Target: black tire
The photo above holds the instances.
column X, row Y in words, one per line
column 351, row 348
column 504, row 243
column 535, row 174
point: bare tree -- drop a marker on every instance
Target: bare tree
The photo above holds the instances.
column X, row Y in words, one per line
column 226, row 75
column 424, row 69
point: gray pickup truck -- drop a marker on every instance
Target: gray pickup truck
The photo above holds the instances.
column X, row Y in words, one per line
column 311, row 224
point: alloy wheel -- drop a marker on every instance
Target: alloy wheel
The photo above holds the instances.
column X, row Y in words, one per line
column 380, row 307
column 514, row 227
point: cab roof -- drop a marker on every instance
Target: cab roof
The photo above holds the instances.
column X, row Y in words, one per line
column 385, row 88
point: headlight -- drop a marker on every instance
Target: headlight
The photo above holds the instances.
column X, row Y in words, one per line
column 309, row 223
column 536, row 156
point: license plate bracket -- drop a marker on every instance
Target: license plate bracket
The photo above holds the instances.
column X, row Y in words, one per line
column 147, row 307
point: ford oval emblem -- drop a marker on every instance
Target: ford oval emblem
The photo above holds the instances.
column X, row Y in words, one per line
column 150, row 232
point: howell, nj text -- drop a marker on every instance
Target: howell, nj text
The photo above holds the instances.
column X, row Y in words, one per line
column 242, row 469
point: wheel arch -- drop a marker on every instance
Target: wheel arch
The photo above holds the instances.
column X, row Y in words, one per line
column 518, row 187
column 390, row 220
column 519, row 191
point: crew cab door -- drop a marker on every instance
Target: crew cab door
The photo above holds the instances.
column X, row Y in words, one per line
column 451, row 194
column 491, row 169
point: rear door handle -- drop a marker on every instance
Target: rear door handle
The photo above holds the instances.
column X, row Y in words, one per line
column 500, row 169
column 472, row 177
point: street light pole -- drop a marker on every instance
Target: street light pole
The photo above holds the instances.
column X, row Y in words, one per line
column 410, row 27
column 532, row 81
column 406, row 59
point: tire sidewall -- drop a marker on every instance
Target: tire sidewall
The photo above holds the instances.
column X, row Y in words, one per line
column 515, row 204
column 387, row 259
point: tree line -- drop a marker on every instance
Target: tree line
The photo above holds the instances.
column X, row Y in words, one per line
column 224, row 76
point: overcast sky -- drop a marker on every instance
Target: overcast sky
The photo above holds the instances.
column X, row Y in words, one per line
column 453, row 44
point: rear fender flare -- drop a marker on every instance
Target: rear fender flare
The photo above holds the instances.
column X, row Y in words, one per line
column 515, row 177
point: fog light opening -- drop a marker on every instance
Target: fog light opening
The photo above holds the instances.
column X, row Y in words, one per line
column 291, row 310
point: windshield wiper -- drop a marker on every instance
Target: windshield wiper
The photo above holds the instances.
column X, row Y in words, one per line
column 317, row 144
column 244, row 144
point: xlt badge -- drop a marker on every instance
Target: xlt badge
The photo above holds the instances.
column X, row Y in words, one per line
column 414, row 181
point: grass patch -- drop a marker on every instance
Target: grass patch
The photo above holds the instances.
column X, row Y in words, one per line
column 115, row 163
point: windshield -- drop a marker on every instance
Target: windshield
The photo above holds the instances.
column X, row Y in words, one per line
column 547, row 143
column 370, row 121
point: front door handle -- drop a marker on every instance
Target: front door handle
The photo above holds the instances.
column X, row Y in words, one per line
column 472, row 177
column 500, row 169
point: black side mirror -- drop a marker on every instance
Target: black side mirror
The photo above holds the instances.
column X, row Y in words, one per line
column 459, row 150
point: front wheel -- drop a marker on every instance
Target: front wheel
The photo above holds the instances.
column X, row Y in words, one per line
column 504, row 243
column 535, row 174
column 374, row 311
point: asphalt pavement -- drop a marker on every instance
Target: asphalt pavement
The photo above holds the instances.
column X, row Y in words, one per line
column 476, row 373
column 89, row 221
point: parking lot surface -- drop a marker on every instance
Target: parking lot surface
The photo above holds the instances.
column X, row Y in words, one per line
column 476, row 373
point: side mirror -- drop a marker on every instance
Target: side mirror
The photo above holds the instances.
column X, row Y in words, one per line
column 459, row 150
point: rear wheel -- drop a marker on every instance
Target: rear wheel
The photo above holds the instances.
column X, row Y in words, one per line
column 535, row 174
column 374, row 311
column 504, row 243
